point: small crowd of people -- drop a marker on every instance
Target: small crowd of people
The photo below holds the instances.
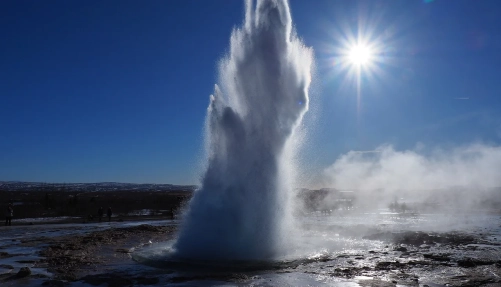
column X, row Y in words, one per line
column 9, row 213
column 100, row 213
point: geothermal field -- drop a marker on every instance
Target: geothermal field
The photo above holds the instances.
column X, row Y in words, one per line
column 340, row 247
column 248, row 223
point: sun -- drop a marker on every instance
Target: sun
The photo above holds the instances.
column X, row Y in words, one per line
column 360, row 55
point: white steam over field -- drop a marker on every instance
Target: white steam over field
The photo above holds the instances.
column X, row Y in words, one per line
column 475, row 166
column 458, row 179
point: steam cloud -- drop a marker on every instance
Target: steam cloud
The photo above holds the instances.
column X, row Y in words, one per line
column 473, row 166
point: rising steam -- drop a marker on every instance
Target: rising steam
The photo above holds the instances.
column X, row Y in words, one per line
column 472, row 166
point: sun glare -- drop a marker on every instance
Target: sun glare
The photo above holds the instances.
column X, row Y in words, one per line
column 360, row 55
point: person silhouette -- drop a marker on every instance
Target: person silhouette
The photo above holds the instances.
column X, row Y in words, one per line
column 109, row 213
column 9, row 213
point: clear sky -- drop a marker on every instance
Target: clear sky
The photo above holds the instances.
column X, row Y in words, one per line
column 118, row 90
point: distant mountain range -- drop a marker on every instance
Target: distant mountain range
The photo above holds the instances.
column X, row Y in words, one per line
column 98, row 186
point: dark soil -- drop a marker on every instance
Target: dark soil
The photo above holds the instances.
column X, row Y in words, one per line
column 73, row 257
column 409, row 259
column 82, row 206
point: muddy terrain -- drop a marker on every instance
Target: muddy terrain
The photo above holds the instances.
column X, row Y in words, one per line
column 402, row 258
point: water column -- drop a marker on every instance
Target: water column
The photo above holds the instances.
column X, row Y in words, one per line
column 242, row 210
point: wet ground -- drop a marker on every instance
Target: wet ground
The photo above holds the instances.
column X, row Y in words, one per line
column 344, row 249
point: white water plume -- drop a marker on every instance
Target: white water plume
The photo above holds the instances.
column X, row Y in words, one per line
column 242, row 210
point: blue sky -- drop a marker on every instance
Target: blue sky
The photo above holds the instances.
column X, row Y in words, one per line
column 118, row 90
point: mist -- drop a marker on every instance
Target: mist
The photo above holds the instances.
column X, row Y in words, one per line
column 466, row 175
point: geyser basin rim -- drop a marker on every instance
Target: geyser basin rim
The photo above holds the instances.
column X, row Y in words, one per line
column 173, row 262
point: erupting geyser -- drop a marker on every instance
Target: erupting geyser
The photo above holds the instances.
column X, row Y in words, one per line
column 242, row 210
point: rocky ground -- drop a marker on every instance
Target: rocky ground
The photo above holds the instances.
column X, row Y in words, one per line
column 415, row 258
column 408, row 258
column 80, row 258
